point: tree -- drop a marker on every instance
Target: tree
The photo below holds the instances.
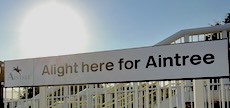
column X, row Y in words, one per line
column 227, row 18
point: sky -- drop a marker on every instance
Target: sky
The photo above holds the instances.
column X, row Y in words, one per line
column 107, row 24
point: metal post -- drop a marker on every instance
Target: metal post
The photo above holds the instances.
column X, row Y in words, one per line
column 106, row 96
column 43, row 97
column 66, row 96
column 209, row 93
column 13, row 96
column 198, row 93
column 89, row 89
column 170, row 95
column 33, row 99
column 158, row 95
column 182, row 95
column 178, row 94
column 52, row 96
column 222, row 92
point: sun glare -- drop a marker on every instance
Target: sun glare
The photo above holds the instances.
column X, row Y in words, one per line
column 52, row 29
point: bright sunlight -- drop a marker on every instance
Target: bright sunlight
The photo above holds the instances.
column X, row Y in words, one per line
column 52, row 29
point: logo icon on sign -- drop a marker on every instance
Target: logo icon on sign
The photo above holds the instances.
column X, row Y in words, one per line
column 17, row 70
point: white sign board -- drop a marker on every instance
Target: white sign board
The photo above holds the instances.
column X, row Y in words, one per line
column 180, row 61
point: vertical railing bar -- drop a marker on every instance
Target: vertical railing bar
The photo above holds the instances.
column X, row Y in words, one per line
column 164, row 90
column 212, row 93
column 147, row 94
column 106, row 99
column 74, row 88
column 208, row 93
column 100, row 103
column 205, row 95
column 5, row 102
column 222, row 92
column 69, row 94
column 33, row 98
column 219, row 94
column 12, row 97
column 26, row 96
column 191, row 95
column 182, row 95
column 198, row 91
column 87, row 95
column 227, row 100
column 140, row 92
column 21, row 102
column 125, row 87
column 136, row 94
column 170, row 94
column 61, row 93
column 152, row 100
column 158, row 94
column 96, row 96
column 74, row 98
column 115, row 95
column 78, row 97
column 19, row 96
column 177, row 93
column 52, row 96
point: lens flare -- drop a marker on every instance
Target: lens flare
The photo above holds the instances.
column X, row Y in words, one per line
column 52, row 29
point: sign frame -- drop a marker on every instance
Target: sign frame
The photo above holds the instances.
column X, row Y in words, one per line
column 166, row 62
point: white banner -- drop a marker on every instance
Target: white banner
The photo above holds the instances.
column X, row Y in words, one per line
column 180, row 61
